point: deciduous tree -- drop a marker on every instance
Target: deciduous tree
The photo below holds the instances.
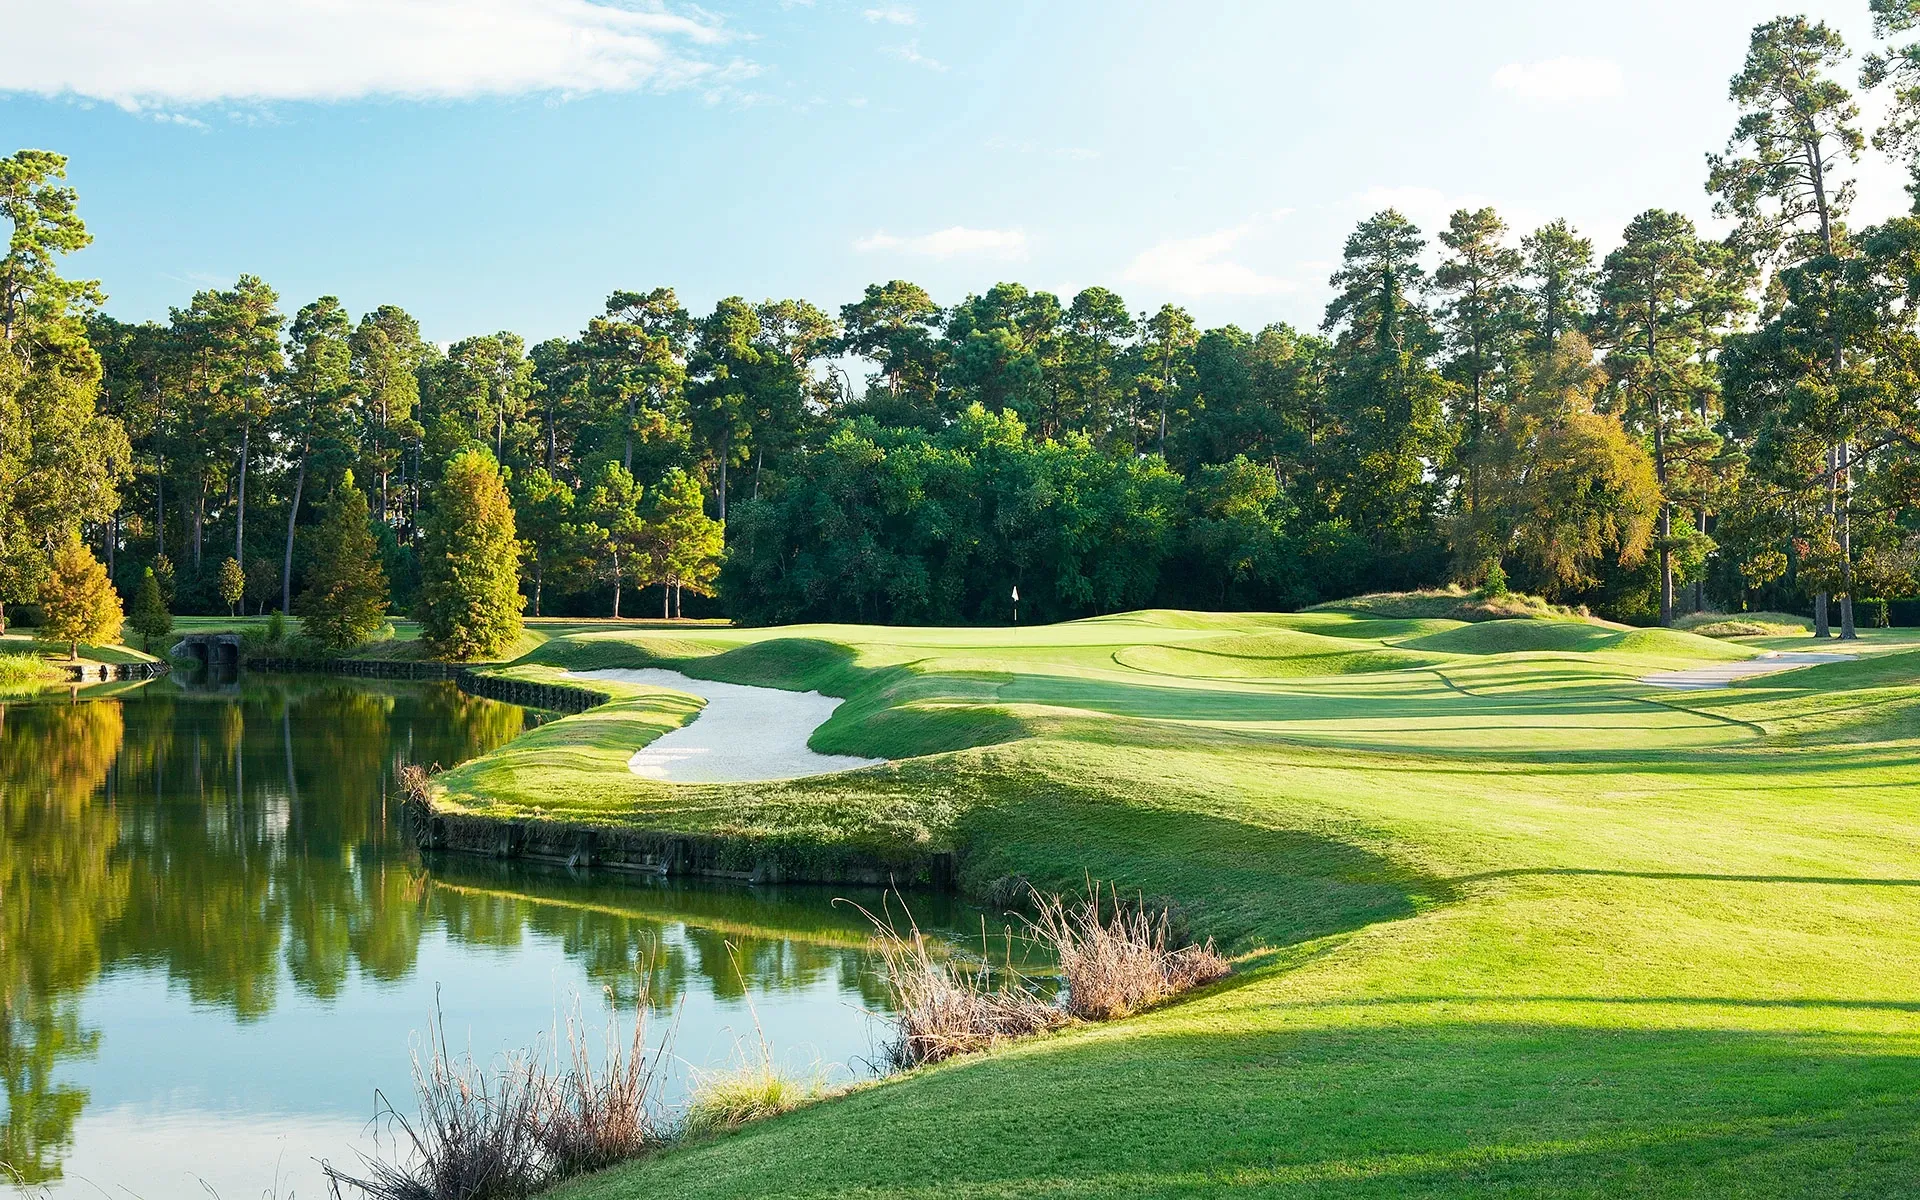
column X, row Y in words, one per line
column 470, row 585
column 78, row 599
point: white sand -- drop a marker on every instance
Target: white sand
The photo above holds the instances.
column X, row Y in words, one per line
column 1721, row 674
column 744, row 734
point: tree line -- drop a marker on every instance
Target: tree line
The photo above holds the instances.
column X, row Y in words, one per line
column 1686, row 421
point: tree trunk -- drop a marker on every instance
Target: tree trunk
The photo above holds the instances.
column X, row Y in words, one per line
column 199, row 524
column 1666, row 506
column 293, row 515
column 539, row 581
column 678, row 611
column 759, row 458
column 240, row 515
column 726, row 452
column 159, row 504
column 666, row 600
column 626, row 455
column 1822, row 623
column 1847, row 630
column 616, row 585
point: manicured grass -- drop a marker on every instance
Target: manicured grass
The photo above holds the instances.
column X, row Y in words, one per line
column 25, row 642
column 1509, row 922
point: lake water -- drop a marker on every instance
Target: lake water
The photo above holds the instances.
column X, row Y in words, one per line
column 216, row 941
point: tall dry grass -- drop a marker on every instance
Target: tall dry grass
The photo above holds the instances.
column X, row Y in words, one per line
column 946, row 1006
column 532, row 1121
column 1118, row 957
column 474, row 1137
column 1115, row 957
column 591, row 1118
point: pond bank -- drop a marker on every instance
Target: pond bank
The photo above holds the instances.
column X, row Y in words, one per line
column 603, row 726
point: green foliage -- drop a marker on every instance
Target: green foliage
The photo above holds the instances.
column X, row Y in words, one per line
column 233, row 583
column 683, row 544
column 345, row 600
column 78, row 599
column 905, row 526
column 150, row 617
column 470, row 588
column 616, row 526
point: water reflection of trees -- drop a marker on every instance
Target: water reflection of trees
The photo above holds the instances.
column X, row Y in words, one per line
column 61, row 886
column 238, row 841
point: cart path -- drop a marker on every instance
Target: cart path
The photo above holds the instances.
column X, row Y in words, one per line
column 1719, row 675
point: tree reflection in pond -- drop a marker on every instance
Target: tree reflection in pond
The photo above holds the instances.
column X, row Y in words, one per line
column 234, row 846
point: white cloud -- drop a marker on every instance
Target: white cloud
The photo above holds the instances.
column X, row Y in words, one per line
column 141, row 55
column 893, row 15
column 957, row 242
column 1562, row 79
column 909, row 52
column 1199, row 267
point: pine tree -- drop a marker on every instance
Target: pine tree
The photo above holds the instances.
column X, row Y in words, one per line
column 79, row 599
column 470, row 591
column 346, row 596
column 150, row 618
column 233, row 583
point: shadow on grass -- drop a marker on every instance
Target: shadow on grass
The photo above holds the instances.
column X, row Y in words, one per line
column 1246, row 885
column 1460, row 1109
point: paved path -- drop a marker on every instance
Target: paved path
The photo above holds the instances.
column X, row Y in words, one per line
column 1719, row 675
column 744, row 734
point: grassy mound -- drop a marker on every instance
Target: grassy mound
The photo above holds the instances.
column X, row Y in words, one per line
column 1272, row 656
column 1449, row 603
column 1731, row 625
column 1573, row 637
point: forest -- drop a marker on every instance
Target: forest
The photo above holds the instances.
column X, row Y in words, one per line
column 1691, row 420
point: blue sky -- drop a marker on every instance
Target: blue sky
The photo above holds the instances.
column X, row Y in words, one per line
column 504, row 164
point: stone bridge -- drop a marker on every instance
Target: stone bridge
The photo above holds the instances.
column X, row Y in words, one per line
column 214, row 649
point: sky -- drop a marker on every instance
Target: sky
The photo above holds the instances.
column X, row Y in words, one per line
column 505, row 164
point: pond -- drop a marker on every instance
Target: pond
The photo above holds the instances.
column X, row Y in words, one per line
column 217, row 942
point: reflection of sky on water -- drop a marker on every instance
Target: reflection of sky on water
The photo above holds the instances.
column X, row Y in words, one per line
column 215, row 944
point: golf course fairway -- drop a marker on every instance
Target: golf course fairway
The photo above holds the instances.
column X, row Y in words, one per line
column 1507, row 921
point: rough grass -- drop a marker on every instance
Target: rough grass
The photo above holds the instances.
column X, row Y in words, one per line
column 19, row 669
column 1755, row 624
column 752, row 1090
column 1507, row 924
column 1451, row 603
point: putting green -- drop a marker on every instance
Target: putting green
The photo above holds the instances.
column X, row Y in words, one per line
column 1509, row 922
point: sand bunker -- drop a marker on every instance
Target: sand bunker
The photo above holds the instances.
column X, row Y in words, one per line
column 744, row 734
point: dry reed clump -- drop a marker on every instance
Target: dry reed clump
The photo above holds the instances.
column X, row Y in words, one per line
column 1115, row 958
column 947, row 1007
column 1118, row 958
column 514, row 1131
column 413, row 782
column 590, row 1118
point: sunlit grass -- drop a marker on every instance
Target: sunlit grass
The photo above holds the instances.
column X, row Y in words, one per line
column 1507, row 921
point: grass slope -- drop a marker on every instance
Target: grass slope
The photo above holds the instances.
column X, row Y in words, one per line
column 1510, row 923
